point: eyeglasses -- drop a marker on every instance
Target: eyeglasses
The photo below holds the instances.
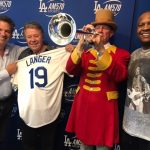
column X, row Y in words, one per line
column 102, row 26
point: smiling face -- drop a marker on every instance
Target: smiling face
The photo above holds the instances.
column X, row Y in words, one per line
column 143, row 29
column 34, row 38
column 5, row 33
column 34, row 35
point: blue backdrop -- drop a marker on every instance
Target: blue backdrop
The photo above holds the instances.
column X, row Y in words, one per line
column 83, row 12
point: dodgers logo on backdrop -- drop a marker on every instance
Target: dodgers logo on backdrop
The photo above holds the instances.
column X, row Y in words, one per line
column 70, row 92
column 5, row 6
column 51, row 7
column 14, row 110
column 18, row 36
column 19, row 134
column 71, row 142
column 113, row 5
column 117, row 147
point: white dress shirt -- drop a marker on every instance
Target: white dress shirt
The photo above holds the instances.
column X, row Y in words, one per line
column 10, row 55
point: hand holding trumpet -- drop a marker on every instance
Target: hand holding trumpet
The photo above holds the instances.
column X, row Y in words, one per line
column 91, row 36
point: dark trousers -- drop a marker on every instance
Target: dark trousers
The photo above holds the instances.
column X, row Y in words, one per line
column 42, row 138
column 133, row 143
column 5, row 113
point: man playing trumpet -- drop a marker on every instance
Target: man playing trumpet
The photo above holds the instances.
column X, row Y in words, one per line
column 94, row 114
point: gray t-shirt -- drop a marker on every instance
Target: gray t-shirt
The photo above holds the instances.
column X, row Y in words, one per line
column 136, row 121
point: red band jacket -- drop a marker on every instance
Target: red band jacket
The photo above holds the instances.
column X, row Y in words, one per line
column 94, row 114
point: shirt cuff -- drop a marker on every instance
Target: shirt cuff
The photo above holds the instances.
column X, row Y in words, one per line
column 4, row 74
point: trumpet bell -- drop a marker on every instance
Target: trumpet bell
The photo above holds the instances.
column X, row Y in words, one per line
column 62, row 29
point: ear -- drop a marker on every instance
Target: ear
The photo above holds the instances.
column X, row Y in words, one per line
column 111, row 33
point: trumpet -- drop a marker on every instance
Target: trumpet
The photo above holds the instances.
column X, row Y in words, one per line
column 93, row 32
column 62, row 29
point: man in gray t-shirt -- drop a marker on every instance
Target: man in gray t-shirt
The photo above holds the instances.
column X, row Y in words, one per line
column 136, row 121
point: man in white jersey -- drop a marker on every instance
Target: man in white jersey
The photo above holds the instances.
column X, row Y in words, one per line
column 40, row 82
column 136, row 123
column 8, row 55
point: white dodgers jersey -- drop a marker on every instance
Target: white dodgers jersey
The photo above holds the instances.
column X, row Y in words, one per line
column 40, row 83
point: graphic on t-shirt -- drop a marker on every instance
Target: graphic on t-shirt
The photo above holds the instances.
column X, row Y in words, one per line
column 139, row 93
